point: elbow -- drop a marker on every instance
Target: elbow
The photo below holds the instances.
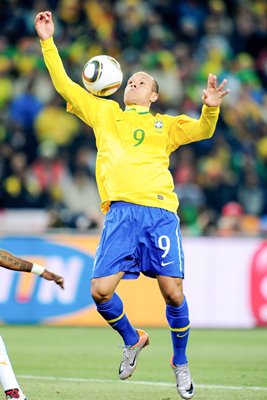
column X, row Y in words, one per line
column 210, row 134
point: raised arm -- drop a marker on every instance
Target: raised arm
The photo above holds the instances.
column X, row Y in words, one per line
column 186, row 130
column 9, row 261
column 68, row 89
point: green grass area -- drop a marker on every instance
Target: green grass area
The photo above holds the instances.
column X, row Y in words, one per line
column 66, row 363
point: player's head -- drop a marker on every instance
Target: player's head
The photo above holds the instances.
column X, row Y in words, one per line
column 142, row 90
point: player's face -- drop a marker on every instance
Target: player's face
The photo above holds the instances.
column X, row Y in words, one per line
column 140, row 90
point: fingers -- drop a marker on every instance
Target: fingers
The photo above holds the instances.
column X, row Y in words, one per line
column 225, row 92
column 212, row 84
column 221, row 86
column 45, row 16
column 60, row 281
column 212, row 81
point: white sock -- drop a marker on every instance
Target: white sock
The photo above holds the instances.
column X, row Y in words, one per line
column 7, row 377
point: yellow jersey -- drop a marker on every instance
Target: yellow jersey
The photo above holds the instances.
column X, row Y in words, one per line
column 133, row 146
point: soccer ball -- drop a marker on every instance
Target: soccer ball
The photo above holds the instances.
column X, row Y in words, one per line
column 102, row 75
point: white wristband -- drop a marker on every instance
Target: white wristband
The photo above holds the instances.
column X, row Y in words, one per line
column 37, row 269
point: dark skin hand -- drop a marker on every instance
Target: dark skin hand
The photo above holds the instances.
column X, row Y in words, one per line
column 9, row 261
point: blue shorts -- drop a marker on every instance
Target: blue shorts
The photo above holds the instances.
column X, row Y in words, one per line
column 139, row 239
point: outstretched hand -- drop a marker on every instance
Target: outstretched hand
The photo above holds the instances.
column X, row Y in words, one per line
column 44, row 25
column 213, row 95
column 50, row 276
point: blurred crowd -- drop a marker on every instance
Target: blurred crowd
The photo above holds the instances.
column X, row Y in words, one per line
column 47, row 156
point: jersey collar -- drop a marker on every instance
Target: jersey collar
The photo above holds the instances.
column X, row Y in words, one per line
column 138, row 109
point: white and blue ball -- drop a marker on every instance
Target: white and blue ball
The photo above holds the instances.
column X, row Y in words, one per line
column 102, row 75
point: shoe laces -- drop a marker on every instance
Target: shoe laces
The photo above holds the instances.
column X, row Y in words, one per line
column 12, row 394
column 128, row 351
column 128, row 354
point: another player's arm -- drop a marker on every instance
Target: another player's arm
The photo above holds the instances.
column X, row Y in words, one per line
column 9, row 261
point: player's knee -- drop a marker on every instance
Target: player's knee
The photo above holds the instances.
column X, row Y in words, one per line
column 174, row 297
column 100, row 293
column 172, row 290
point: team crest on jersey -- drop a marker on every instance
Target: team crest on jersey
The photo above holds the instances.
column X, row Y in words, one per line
column 158, row 124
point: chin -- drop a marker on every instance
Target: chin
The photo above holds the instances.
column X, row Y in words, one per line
column 128, row 101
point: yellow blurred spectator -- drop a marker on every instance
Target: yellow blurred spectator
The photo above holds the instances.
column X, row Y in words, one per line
column 55, row 125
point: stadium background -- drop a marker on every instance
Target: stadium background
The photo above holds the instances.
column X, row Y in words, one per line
column 48, row 199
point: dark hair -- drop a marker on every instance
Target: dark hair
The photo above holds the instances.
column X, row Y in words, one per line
column 155, row 86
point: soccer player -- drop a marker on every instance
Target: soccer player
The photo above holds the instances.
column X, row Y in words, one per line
column 141, row 231
column 8, row 379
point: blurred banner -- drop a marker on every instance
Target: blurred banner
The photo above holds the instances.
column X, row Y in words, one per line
column 225, row 284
